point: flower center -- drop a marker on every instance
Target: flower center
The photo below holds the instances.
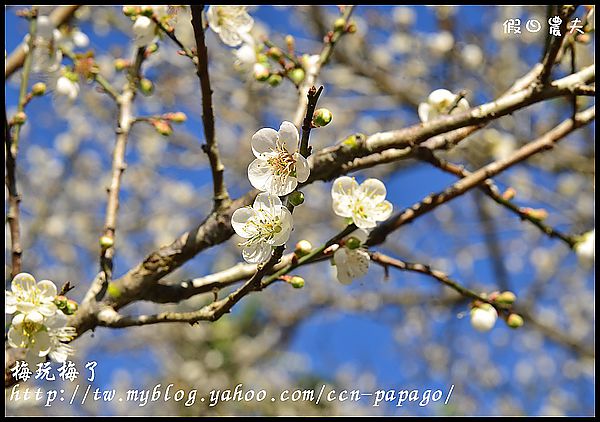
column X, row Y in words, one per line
column 265, row 229
column 283, row 162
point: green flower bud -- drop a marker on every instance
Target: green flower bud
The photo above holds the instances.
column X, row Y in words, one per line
column 152, row 48
column 274, row 80
column 146, row 86
column 322, row 117
column 71, row 307
column 303, row 247
column 131, row 10
column 297, row 282
column 507, row 298
column 106, row 242
column 19, row 118
column 514, row 321
column 38, row 89
column 60, row 301
column 147, row 11
column 274, row 53
column 297, row 75
column 339, row 24
column 120, row 64
column 296, row 198
column 352, row 243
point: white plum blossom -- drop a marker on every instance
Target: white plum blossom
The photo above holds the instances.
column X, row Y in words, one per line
column 365, row 204
column 585, row 247
column 439, row 103
column 264, row 225
column 38, row 325
column 184, row 31
column 278, row 167
column 246, row 56
column 352, row 260
column 144, row 30
column 67, row 88
column 231, row 23
column 33, row 300
column 483, row 317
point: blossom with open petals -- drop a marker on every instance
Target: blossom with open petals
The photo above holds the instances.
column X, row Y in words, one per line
column 231, row 23
column 352, row 260
column 264, row 225
column 365, row 204
column 278, row 167
column 33, row 300
column 439, row 103
column 586, row 246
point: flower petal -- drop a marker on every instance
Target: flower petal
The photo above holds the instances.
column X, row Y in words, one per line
column 265, row 201
column 41, row 343
column 358, row 263
column 257, row 253
column 230, row 36
column 361, row 234
column 281, row 185
column 47, row 288
column 23, row 282
column 16, row 338
column 259, row 173
column 343, row 187
column 264, row 141
column 363, row 221
column 287, row 224
column 288, row 136
column 34, row 317
column 47, row 309
column 302, row 168
column 374, row 189
column 382, row 211
column 10, row 302
column 239, row 219
column 424, row 111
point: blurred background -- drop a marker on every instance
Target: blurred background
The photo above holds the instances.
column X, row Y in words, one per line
column 401, row 332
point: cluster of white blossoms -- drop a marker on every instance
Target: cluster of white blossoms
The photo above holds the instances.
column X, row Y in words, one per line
column 440, row 102
column 231, row 23
column 364, row 205
column 483, row 317
column 38, row 324
column 277, row 170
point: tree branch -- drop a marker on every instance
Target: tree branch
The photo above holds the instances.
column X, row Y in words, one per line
column 221, row 197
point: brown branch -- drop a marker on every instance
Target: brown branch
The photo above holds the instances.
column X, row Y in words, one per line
column 16, row 59
column 547, row 141
column 551, row 53
column 221, row 197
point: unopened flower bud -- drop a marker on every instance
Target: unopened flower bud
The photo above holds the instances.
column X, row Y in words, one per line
column 177, row 117
column 106, row 242
column 322, row 117
column 507, row 298
column 297, row 282
column 290, row 42
column 352, row 243
column 296, row 198
column 163, row 127
column 351, row 29
column 509, row 194
column 297, row 75
column 303, row 247
column 19, row 118
column 152, row 48
column 483, row 317
column 146, row 86
column 274, row 53
column 38, row 89
column 339, row 24
column 131, row 10
column 71, row 307
column 120, row 64
column 274, row 80
column 261, row 72
column 60, row 301
column 514, row 321
column 537, row 214
column 147, row 11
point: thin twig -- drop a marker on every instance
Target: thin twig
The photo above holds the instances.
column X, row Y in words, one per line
column 478, row 177
column 12, row 148
column 221, row 197
column 551, row 53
